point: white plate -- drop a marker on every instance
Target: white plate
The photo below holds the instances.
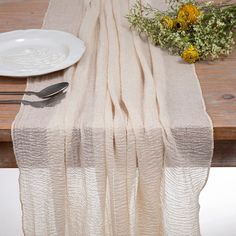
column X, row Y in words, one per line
column 36, row 52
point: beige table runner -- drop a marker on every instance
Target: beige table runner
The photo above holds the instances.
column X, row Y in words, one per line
column 128, row 149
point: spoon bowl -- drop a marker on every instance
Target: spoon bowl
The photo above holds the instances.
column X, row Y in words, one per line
column 51, row 90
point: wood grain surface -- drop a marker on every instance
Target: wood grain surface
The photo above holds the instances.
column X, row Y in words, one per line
column 217, row 79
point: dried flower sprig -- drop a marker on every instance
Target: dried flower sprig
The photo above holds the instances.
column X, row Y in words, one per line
column 193, row 30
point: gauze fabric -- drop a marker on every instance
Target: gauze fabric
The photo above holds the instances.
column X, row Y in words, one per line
column 127, row 150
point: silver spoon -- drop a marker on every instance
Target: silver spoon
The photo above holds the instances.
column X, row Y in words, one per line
column 47, row 92
column 52, row 101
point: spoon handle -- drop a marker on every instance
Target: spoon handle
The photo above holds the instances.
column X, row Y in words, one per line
column 15, row 92
column 11, row 101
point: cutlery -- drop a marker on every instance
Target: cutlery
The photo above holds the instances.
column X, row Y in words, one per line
column 13, row 101
column 47, row 92
column 52, row 101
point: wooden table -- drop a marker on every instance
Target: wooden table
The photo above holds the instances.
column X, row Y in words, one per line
column 217, row 80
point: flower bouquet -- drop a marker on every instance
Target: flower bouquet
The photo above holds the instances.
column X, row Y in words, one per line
column 193, row 30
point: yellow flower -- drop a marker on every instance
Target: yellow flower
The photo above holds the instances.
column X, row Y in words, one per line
column 190, row 55
column 180, row 24
column 189, row 13
column 168, row 22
